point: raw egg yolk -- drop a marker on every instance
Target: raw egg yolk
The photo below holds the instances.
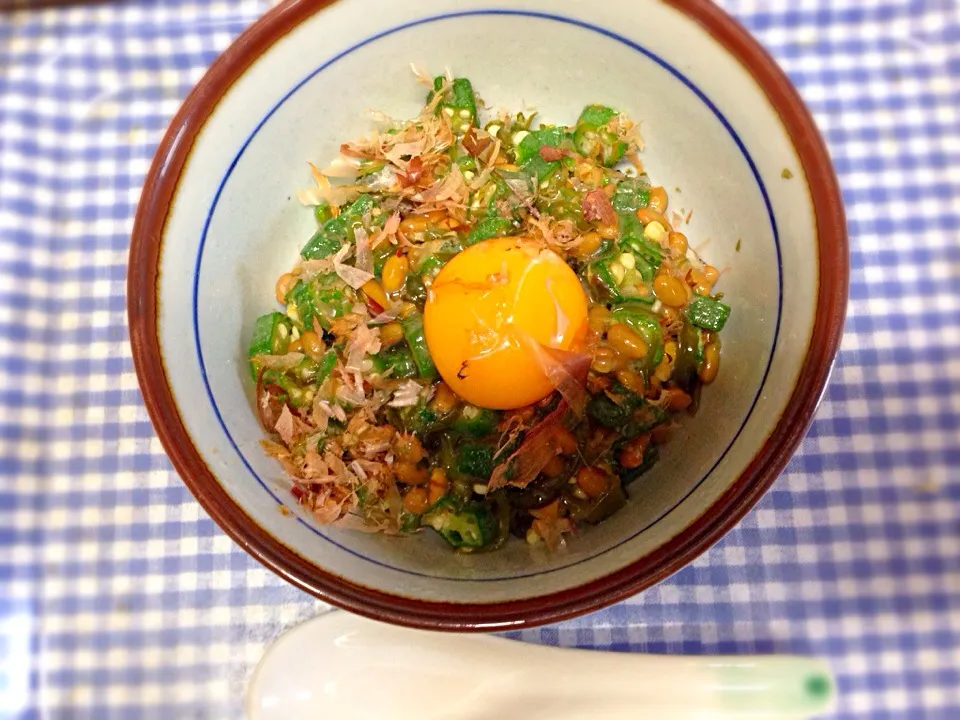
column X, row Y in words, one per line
column 485, row 308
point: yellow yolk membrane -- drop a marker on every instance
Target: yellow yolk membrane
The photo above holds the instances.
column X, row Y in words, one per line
column 486, row 306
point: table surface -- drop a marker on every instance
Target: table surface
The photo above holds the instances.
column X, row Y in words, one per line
column 118, row 595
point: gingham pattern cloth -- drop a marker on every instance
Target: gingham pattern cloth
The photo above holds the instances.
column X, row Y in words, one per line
column 120, row 597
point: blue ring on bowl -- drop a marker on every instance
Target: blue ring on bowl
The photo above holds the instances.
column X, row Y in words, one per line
column 545, row 16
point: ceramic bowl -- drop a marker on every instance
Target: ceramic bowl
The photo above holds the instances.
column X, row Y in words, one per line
column 219, row 220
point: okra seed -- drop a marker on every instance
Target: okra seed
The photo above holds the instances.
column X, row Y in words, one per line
column 618, row 272
column 654, row 231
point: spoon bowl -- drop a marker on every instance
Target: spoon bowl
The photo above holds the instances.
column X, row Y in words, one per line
column 343, row 666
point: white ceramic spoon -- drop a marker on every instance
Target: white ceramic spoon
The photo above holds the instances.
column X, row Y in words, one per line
column 340, row 666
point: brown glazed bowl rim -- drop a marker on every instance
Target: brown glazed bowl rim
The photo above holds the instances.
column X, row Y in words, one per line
column 710, row 526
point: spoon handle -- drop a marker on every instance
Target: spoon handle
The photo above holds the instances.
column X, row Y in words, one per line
column 340, row 665
column 586, row 682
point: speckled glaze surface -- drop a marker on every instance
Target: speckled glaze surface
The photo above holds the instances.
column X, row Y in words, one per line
column 219, row 221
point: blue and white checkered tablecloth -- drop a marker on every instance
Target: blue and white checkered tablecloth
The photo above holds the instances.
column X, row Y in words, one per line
column 120, row 597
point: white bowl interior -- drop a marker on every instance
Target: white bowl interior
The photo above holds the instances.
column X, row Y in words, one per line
column 709, row 131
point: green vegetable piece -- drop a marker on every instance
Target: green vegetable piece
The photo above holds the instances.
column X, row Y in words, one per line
column 539, row 168
column 528, row 152
column 597, row 143
column 530, row 146
column 708, row 313
column 324, row 297
column 586, row 140
column 632, row 238
column 413, row 332
column 361, row 206
column 630, row 414
column 420, row 420
column 322, row 213
column 561, row 202
column 377, row 219
column 303, row 298
column 595, row 510
column 414, row 290
column 636, row 282
column 438, row 253
column 597, row 115
column 475, row 460
column 326, row 241
column 467, row 163
column 629, row 226
column 293, row 393
column 631, row 195
column 463, row 97
column 369, row 167
column 325, row 366
column 429, row 265
column 612, row 149
column 685, row 365
column 490, row 227
column 297, row 380
column 362, row 495
column 271, row 336
column 647, row 258
column 380, row 256
column 602, row 277
column 475, row 421
column 460, row 485
column 409, row 522
column 460, row 99
column 505, row 190
column 337, row 230
column 608, row 413
column 398, row 360
column 633, row 285
column 467, row 528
